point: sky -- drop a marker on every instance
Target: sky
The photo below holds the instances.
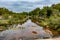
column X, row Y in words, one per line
column 26, row 5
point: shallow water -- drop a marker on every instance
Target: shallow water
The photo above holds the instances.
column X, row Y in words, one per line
column 30, row 32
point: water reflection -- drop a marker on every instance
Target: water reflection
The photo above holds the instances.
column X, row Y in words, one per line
column 30, row 32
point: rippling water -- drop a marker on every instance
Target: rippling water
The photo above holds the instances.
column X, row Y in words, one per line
column 30, row 32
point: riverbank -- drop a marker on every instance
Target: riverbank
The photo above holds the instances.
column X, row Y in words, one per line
column 55, row 38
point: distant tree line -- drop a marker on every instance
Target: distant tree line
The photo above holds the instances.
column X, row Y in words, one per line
column 49, row 16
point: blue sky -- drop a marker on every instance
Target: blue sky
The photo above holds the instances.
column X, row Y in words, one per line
column 26, row 5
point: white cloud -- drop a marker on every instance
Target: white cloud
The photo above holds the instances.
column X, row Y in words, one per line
column 8, row 0
column 31, row 0
column 22, row 0
column 26, row 5
column 55, row 1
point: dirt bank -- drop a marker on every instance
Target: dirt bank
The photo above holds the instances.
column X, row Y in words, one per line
column 58, row 38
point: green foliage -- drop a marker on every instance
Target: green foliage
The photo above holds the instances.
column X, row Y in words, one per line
column 56, row 6
column 48, row 15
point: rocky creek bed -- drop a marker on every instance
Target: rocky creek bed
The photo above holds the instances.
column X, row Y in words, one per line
column 31, row 31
